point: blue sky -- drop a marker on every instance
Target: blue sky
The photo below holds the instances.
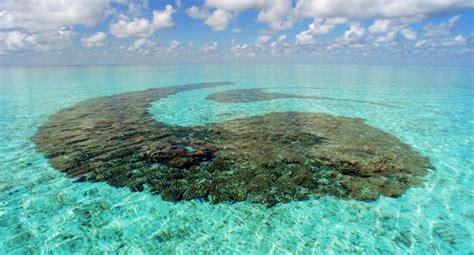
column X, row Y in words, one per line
column 82, row 32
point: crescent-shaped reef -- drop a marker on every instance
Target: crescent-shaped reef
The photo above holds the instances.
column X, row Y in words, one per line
column 269, row 159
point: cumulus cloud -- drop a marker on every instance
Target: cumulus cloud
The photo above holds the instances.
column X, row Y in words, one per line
column 126, row 27
column 56, row 40
column 458, row 40
column 421, row 44
column 280, row 46
column 197, row 13
column 174, row 46
column 443, row 29
column 436, row 43
column 387, row 38
column 392, row 28
column 141, row 27
column 142, row 46
column 243, row 49
column 263, row 39
column 318, row 27
column 277, row 13
column 377, row 8
column 219, row 20
column 233, row 5
column 282, row 38
column 263, row 46
column 381, row 26
column 210, row 47
column 354, row 34
column 409, row 34
column 164, row 18
column 305, row 38
column 43, row 15
column 136, row 7
column 352, row 38
column 14, row 40
column 96, row 40
column 44, row 25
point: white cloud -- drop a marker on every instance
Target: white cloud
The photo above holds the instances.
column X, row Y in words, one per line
column 354, row 34
column 437, row 43
column 282, row 38
column 408, row 34
column 219, row 20
column 96, row 40
column 136, row 7
column 43, row 15
column 233, row 5
column 318, row 27
column 263, row 39
column 45, row 25
column 421, row 44
column 388, row 38
column 224, row 12
column 163, row 19
column 305, row 38
column 380, row 26
column 376, row 8
column 126, row 27
column 174, row 46
column 56, row 40
column 141, row 27
column 392, row 28
column 460, row 40
column 263, row 47
column 14, row 40
column 197, row 13
column 210, row 47
column 443, row 29
column 280, row 47
column 277, row 13
column 142, row 46
column 352, row 38
column 243, row 50
column 139, row 43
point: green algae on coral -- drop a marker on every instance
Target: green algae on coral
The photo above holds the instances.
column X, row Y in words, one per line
column 269, row 159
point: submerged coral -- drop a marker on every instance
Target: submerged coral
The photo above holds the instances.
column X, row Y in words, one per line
column 278, row 157
column 253, row 95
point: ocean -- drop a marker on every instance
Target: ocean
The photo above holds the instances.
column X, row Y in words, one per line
column 429, row 108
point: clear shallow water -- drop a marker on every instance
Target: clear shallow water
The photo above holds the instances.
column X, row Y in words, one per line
column 40, row 210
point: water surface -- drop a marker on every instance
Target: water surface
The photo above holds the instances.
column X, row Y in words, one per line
column 40, row 210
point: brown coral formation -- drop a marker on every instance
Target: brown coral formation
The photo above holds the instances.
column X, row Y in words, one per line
column 253, row 95
column 278, row 157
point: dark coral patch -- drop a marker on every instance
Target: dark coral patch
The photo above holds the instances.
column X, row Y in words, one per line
column 254, row 95
column 278, row 157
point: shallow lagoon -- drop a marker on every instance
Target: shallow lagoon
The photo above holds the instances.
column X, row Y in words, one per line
column 41, row 210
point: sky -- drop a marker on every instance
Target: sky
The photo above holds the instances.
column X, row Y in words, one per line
column 100, row 32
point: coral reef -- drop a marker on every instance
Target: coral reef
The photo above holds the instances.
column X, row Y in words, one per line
column 253, row 95
column 278, row 157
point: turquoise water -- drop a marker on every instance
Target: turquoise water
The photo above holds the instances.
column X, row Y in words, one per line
column 43, row 212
